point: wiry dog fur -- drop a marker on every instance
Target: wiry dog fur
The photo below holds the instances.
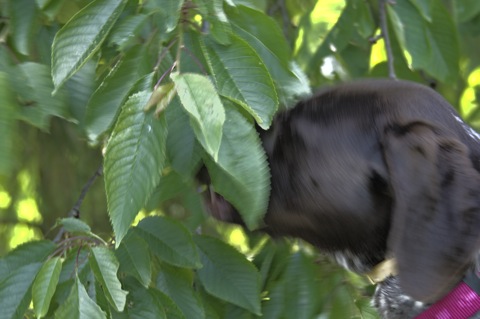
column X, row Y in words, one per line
column 372, row 170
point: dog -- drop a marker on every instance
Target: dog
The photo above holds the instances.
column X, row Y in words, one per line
column 376, row 173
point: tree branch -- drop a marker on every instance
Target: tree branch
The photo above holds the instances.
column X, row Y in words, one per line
column 75, row 211
column 384, row 31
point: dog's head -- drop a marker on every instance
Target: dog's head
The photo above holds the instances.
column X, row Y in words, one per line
column 377, row 169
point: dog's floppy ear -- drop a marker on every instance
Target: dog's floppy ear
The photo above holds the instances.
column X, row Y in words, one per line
column 436, row 208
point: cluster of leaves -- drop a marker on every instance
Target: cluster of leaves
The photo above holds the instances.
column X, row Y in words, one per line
column 166, row 86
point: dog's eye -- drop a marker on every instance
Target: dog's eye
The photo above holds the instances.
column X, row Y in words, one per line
column 378, row 184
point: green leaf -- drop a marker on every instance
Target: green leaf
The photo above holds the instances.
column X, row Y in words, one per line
column 8, row 116
column 79, row 88
column 241, row 173
column 433, row 46
column 202, row 103
column 23, row 16
column 228, row 275
column 301, row 297
column 105, row 102
column 82, row 36
column 162, row 97
column 212, row 11
column 38, row 87
column 182, row 148
column 134, row 160
column 466, row 10
column 28, row 253
column 241, row 76
column 74, row 225
column 127, row 30
column 170, row 241
column 105, row 266
column 424, row 7
column 79, row 305
column 263, row 34
column 177, row 283
column 15, row 291
column 134, row 257
column 144, row 303
column 169, row 13
column 45, row 285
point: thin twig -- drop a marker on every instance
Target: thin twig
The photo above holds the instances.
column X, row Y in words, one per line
column 170, row 69
column 163, row 54
column 386, row 38
column 75, row 211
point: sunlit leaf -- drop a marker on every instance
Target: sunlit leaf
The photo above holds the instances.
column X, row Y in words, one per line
column 170, row 241
column 241, row 173
column 228, row 275
column 134, row 160
column 212, row 11
column 433, row 46
column 82, row 36
column 200, row 99
column 45, row 285
column 241, row 76
column 79, row 305
column 105, row 266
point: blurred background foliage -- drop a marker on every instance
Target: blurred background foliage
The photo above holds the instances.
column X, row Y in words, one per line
column 47, row 152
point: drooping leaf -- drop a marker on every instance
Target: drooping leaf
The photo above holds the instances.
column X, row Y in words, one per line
column 82, row 36
column 170, row 241
column 241, row 76
column 177, row 283
column 15, row 291
column 202, row 103
column 105, row 102
column 74, row 225
column 44, row 285
column 79, row 305
column 228, row 275
column 300, row 284
column 134, row 160
column 28, row 253
column 23, row 16
column 182, row 148
column 134, row 257
column 263, row 34
column 80, row 88
column 105, row 266
column 8, row 115
column 241, row 173
column 38, row 84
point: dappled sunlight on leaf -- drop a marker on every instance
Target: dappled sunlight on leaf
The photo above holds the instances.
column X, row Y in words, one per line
column 27, row 210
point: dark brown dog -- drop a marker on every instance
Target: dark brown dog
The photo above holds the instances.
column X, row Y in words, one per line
column 373, row 170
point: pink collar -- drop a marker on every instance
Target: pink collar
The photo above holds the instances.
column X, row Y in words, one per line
column 461, row 303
